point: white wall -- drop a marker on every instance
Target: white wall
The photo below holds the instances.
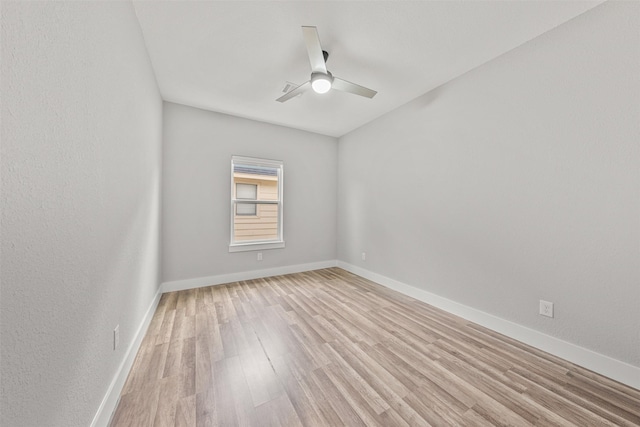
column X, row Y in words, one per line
column 515, row 182
column 197, row 151
column 81, row 141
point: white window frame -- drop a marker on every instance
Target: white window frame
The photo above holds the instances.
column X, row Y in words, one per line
column 256, row 245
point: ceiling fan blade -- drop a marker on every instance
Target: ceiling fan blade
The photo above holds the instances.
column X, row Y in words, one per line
column 346, row 86
column 294, row 92
column 316, row 57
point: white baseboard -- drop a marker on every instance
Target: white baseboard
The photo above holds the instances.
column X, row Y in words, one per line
column 604, row 365
column 198, row 282
column 110, row 400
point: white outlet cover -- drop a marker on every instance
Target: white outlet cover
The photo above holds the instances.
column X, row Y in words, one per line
column 546, row 308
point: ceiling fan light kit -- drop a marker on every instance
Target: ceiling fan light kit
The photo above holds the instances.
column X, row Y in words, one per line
column 322, row 81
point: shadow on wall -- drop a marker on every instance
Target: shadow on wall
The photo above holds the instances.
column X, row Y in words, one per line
column 425, row 100
column 131, row 268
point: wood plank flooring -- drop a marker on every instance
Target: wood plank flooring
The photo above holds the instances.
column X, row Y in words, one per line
column 328, row 348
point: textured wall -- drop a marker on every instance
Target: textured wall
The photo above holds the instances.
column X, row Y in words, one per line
column 197, row 151
column 81, row 141
column 516, row 182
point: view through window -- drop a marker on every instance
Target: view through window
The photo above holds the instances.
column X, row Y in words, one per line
column 256, row 204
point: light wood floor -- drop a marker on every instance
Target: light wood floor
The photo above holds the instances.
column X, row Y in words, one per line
column 327, row 348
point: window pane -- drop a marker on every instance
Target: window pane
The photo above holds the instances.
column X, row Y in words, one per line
column 263, row 226
column 256, row 204
column 255, row 183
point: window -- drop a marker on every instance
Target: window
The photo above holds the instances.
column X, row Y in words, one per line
column 246, row 192
column 256, row 204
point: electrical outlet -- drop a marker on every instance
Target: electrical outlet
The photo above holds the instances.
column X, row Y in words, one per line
column 364, row 256
column 116, row 337
column 259, row 256
column 546, row 308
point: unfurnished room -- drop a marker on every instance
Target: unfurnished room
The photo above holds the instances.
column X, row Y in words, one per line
column 320, row 213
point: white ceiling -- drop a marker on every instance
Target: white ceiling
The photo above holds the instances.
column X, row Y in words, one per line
column 235, row 56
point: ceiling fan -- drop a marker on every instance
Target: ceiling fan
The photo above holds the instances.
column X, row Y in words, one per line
column 321, row 79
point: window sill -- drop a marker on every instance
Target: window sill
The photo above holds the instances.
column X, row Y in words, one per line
column 255, row 246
